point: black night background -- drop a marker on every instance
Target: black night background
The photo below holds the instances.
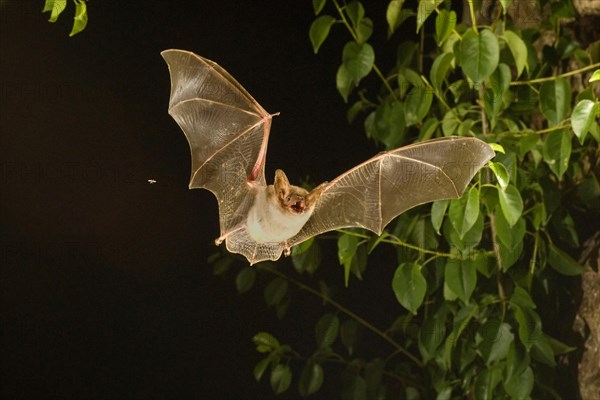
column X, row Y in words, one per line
column 105, row 288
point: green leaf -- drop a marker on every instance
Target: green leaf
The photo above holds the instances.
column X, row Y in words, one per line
column 355, row 12
column 318, row 5
column 479, row 54
column 281, row 377
column 439, row 69
column 426, row 7
column 355, row 389
column 589, row 190
column 508, row 235
column 565, row 226
column 354, row 110
column 405, row 56
column 520, row 387
column 450, row 123
column 495, row 94
column 245, row 279
column 311, row 378
column 373, row 378
column 584, row 114
column 423, row 235
column 409, row 286
column 358, row 59
column 409, row 75
column 265, row 342
column 221, row 263
column 497, row 148
column 461, row 278
column 505, row 5
column 275, row 291
column 438, row 210
column 542, row 351
column 307, row 256
column 530, row 326
column 501, row 174
column 326, row 330
column 389, row 123
column 347, row 245
column 364, row 30
column 486, row 381
column 471, row 239
column 517, row 360
column 344, row 82
column 521, row 298
column 557, row 151
column 261, row 367
column 349, row 334
column 559, row 347
column 55, row 7
column 428, row 128
column 445, row 22
column 463, row 212
column 518, row 49
column 528, row 143
column 392, row 15
column 511, row 204
column 319, row 30
column 81, row 18
column 562, row 262
column 418, row 102
column 460, row 322
column 510, row 255
column 555, row 100
column 595, row 76
column 432, row 334
column 496, row 340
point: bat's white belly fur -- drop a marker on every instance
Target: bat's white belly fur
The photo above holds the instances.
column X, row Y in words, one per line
column 267, row 222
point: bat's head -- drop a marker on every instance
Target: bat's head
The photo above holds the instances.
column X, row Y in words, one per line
column 291, row 198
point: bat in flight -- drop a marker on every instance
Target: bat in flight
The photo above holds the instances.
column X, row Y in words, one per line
column 228, row 132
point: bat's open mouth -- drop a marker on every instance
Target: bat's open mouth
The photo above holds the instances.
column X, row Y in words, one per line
column 298, row 206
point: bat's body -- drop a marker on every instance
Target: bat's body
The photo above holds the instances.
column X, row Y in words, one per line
column 228, row 133
column 269, row 222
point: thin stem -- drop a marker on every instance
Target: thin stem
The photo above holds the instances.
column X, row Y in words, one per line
column 533, row 260
column 484, row 124
column 346, row 311
column 552, row 78
column 498, row 262
column 473, row 19
column 385, row 82
column 529, row 131
column 398, row 242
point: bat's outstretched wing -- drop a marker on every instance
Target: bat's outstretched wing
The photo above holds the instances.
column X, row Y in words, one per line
column 227, row 131
column 373, row 193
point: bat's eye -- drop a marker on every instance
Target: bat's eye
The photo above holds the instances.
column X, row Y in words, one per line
column 288, row 199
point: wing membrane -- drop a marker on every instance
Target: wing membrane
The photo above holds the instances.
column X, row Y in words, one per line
column 226, row 128
column 373, row 193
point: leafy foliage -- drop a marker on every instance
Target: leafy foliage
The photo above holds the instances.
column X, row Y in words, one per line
column 479, row 281
column 56, row 7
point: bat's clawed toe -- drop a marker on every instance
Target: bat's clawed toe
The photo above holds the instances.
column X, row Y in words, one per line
column 287, row 249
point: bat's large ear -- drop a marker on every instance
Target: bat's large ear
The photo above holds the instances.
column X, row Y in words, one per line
column 281, row 182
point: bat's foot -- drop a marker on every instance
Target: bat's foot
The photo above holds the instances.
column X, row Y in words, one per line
column 219, row 240
column 286, row 249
